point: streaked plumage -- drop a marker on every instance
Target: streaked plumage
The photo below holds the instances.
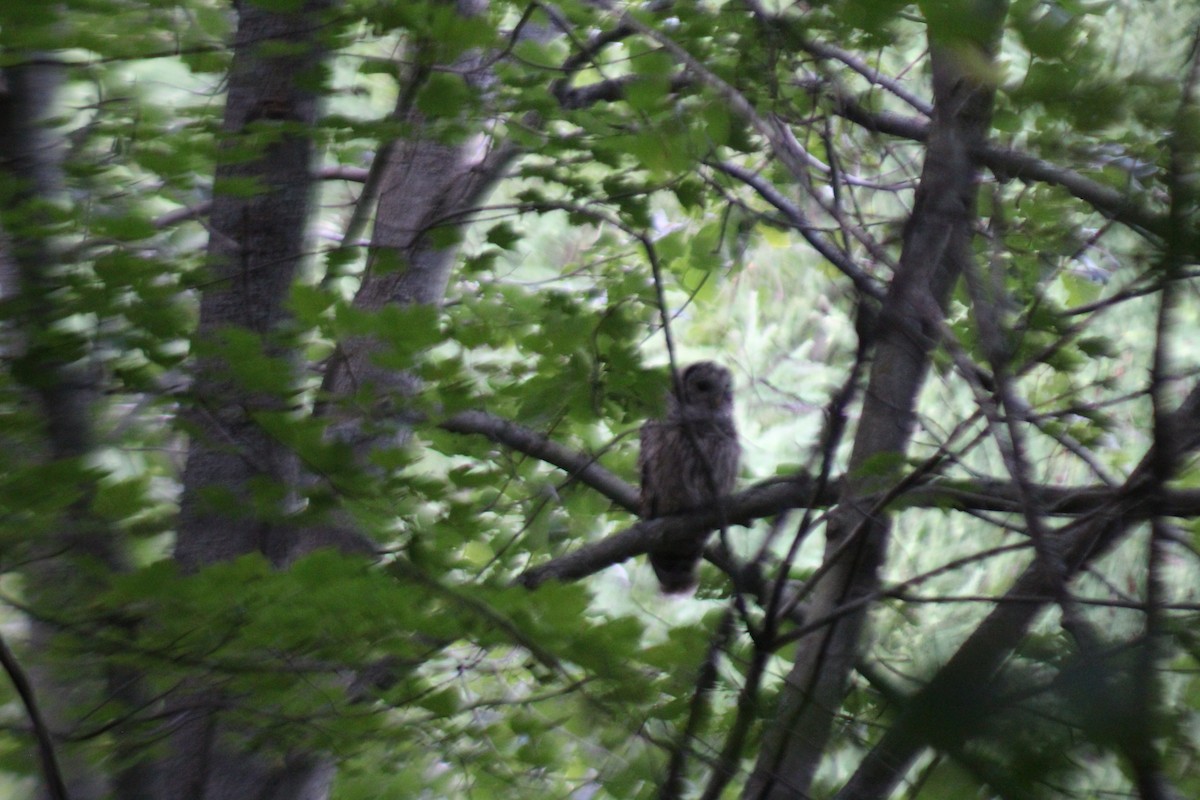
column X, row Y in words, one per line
column 687, row 460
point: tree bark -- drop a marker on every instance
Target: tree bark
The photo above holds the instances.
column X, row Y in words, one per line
column 256, row 243
column 945, row 713
column 32, row 164
column 64, row 387
column 257, row 229
column 937, row 243
column 429, row 189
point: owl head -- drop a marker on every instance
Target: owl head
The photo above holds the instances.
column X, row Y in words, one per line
column 705, row 388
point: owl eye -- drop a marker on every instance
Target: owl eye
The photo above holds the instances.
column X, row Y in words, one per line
column 704, row 385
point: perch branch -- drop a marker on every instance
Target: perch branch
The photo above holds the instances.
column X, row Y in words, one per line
column 767, row 498
column 578, row 466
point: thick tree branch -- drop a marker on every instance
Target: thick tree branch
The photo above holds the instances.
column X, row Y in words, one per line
column 770, row 498
column 1010, row 163
column 763, row 500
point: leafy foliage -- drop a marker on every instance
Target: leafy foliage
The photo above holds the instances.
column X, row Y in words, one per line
column 671, row 172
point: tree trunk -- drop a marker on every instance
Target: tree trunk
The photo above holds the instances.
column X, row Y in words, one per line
column 937, row 242
column 256, row 243
column 63, row 385
column 427, row 186
column 428, row 192
column 258, row 223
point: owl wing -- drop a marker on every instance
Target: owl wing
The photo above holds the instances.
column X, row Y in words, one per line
column 648, row 501
column 726, row 460
column 663, row 492
column 675, row 477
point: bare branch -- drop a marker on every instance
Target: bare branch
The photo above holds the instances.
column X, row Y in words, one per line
column 1083, row 541
column 55, row 785
column 765, row 499
column 1010, row 163
column 578, row 466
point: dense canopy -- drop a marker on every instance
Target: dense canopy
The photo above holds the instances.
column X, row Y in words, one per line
column 328, row 328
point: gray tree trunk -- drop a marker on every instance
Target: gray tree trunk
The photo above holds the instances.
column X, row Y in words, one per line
column 63, row 387
column 256, row 244
column 426, row 188
column 937, row 243
column 428, row 191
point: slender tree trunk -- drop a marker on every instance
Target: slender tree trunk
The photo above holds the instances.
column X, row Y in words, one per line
column 428, row 191
column 64, row 388
column 31, row 158
column 937, row 242
column 257, row 240
column 260, row 211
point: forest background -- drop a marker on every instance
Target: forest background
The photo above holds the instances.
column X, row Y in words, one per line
column 328, row 326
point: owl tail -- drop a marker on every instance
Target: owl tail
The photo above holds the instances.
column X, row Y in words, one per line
column 677, row 572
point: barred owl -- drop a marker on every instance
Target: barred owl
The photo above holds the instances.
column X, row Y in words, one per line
column 688, row 460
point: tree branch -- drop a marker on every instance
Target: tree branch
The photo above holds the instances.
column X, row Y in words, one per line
column 55, row 786
column 578, row 466
column 942, row 713
column 765, row 499
column 1010, row 163
column 769, row 498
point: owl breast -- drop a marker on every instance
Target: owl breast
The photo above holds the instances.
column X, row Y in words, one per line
column 688, row 461
column 687, row 472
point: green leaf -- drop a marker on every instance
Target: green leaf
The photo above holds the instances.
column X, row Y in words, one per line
column 242, row 353
column 882, row 465
column 1080, row 290
column 444, row 95
column 1097, row 346
column 649, row 91
column 308, row 303
column 126, row 228
column 239, row 187
column 120, row 499
column 504, row 236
